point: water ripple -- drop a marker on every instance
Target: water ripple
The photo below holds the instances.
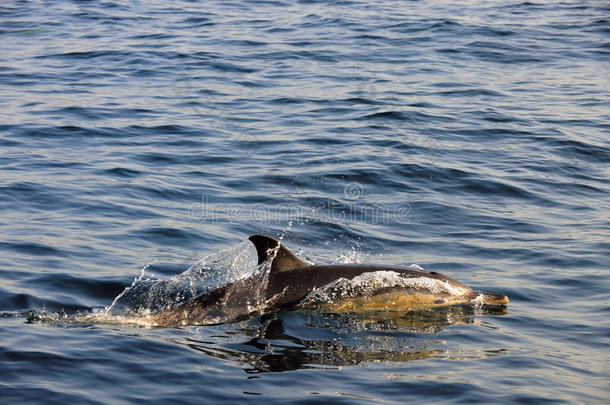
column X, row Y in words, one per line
column 469, row 138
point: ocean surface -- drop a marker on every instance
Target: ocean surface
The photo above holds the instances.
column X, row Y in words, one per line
column 471, row 138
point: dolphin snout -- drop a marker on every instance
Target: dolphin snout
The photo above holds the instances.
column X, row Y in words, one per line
column 494, row 299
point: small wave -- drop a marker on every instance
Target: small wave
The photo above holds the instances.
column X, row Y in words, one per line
column 32, row 248
column 122, row 172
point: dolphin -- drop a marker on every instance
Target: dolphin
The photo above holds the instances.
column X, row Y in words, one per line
column 336, row 287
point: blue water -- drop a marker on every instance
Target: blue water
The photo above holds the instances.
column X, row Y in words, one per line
column 470, row 138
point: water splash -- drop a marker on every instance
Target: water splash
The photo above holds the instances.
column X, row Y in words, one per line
column 135, row 281
column 149, row 295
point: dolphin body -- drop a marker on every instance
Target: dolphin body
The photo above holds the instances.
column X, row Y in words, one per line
column 291, row 280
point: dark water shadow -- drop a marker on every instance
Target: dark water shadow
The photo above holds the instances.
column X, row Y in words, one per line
column 308, row 338
column 301, row 339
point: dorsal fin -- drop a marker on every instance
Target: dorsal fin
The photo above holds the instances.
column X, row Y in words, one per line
column 284, row 260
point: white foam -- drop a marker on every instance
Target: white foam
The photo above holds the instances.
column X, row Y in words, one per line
column 369, row 283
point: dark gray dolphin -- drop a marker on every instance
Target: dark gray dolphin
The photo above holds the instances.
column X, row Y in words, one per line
column 291, row 280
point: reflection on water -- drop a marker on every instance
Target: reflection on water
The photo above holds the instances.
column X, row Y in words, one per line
column 307, row 338
column 265, row 345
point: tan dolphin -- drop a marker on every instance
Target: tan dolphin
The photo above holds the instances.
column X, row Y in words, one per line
column 338, row 287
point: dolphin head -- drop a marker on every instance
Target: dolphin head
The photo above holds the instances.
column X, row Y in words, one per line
column 488, row 298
